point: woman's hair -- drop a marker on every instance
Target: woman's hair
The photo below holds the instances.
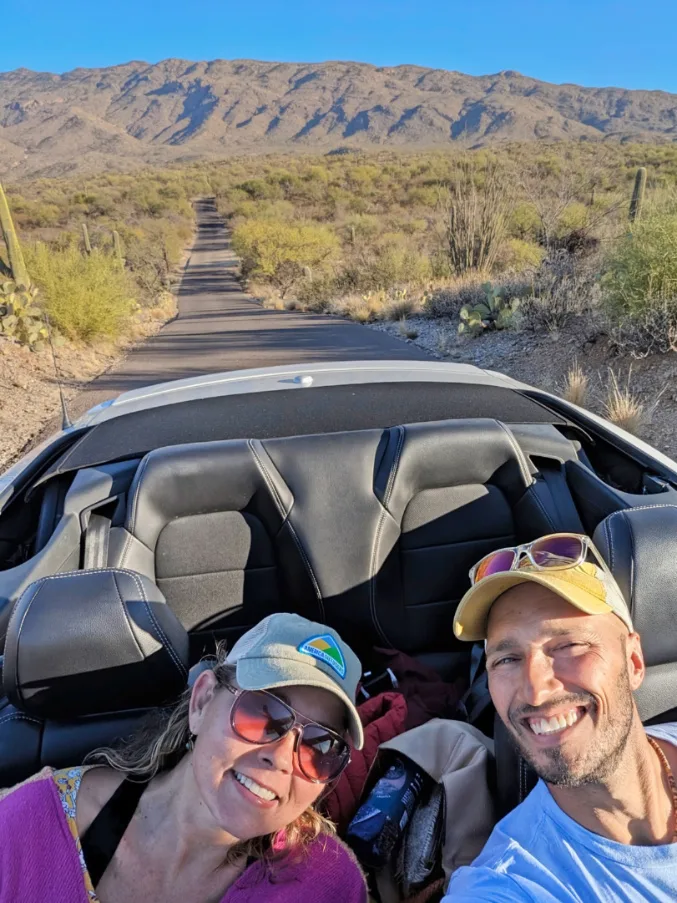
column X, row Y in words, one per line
column 161, row 742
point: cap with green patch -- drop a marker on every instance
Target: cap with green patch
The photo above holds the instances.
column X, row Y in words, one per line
column 286, row 650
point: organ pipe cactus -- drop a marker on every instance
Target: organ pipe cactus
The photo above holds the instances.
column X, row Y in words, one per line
column 638, row 195
column 16, row 263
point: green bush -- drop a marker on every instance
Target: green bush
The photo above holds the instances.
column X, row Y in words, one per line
column 278, row 251
column 641, row 270
column 85, row 297
column 518, row 255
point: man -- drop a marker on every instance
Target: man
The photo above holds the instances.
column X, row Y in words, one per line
column 563, row 661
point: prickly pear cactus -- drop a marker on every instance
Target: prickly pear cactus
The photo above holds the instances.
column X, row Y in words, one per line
column 20, row 314
column 495, row 312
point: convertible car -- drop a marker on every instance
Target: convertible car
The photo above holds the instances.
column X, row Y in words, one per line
column 358, row 495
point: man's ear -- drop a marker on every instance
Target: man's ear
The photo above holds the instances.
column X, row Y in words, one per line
column 635, row 660
column 203, row 692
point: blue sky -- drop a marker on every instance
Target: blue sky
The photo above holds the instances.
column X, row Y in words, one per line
column 591, row 42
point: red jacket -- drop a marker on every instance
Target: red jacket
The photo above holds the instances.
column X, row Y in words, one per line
column 383, row 717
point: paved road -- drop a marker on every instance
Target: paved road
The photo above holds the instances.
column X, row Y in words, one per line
column 220, row 328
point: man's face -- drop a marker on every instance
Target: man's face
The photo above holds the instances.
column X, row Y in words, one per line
column 562, row 683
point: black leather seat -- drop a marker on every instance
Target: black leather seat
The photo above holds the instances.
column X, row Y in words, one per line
column 86, row 655
column 209, row 524
column 451, row 492
column 640, row 547
column 372, row 531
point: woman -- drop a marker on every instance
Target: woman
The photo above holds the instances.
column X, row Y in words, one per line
column 213, row 803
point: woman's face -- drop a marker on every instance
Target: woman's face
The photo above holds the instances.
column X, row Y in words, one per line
column 221, row 760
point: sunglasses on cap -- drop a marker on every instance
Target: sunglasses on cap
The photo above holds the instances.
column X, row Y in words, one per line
column 259, row 717
column 555, row 552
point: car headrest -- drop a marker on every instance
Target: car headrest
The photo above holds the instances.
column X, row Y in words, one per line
column 91, row 642
column 640, row 547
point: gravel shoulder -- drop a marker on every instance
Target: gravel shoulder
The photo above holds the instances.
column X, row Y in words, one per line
column 543, row 360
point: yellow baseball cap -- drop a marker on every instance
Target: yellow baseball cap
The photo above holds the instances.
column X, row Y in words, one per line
column 586, row 586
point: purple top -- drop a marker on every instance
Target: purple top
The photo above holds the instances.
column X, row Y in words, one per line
column 39, row 859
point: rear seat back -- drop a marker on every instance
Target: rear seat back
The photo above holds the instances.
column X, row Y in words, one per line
column 453, row 492
column 370, row 531
column 209, row 525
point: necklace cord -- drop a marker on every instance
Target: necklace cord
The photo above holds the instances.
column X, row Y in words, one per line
column 671, row 782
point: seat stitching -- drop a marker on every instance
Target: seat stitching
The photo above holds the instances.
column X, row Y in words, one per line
column 624, row 512
column 519, row 454
column 139, row 586
column 135, row 499
column 18, row 636
column 19, row 716
column 632, row 566
column 242, row 570
column 377, row 538
column 126, row 614
column 286, row 520
column 640, row 508
column 183, row 671
column 610, row 542
column 396, row 463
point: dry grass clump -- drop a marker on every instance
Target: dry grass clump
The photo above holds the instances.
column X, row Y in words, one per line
column 400, row 307
column 360, row 308
column 576, row 386
column 443, row 342
column 448, row 300
column 407, row 331
column 623, row 407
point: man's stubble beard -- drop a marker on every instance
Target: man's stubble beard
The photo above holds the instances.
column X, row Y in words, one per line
column 599, row 759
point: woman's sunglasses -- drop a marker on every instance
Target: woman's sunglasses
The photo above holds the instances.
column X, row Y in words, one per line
column 555, row 552
column 260, row 717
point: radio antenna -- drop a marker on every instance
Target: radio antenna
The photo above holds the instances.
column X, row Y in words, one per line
column 66, row 422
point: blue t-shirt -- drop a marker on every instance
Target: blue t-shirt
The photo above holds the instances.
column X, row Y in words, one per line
column 537, row 853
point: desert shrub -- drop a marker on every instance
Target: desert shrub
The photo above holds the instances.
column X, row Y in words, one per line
column 641, row 270
column 565, row 286
column 653, row 331
column 316, row 293
column 574, row 217
column 278, row 251
column 85, row 296
column 518, row 255
column 448, row 301
column 524, row 222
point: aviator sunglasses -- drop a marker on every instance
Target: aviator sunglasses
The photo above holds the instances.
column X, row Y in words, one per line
column 555, row 552
column 260, row 717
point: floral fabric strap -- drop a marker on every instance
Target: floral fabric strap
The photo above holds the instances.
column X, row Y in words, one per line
column 68, row 782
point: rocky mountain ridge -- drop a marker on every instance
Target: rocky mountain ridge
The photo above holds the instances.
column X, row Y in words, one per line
column 139, row 113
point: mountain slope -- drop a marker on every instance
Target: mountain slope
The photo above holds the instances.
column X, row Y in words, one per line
column 135, row 113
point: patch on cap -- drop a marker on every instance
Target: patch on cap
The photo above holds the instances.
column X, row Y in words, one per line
column 325, row 649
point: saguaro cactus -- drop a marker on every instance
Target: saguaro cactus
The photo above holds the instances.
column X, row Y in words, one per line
column 15, row 257
column 85, row 236
column 638, row 195
column 117, row 248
